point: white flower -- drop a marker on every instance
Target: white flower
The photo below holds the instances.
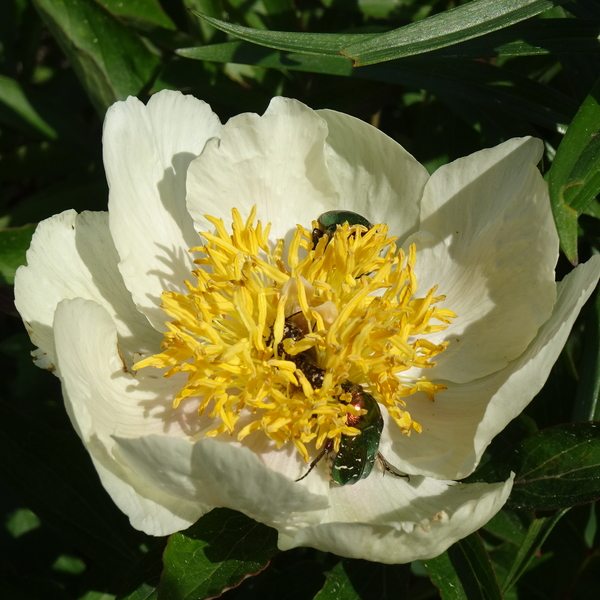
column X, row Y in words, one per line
column 496, row 322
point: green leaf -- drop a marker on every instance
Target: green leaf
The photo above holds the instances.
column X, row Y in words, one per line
column 438, row 31
column 555, row 468
column 574, row 178
column 475, row 82
column 217, row 553
column 17, row 110
column 145, row 10
column 586, row 406
column 13, row 245
column 508, row 526
column 462, row 23
column 144, row 592
column 109, row 59
column 464, row 572
column 142, row 580
column 535, row 37
column 363, row 580
column 321, row 44
column 536, row 535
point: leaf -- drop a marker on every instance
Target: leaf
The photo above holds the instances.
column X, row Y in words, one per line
column 462, row 23
column 507, row 526
column 144, row 592
column 555, row 468
column 321, row 44
column 535, row 37
column 475, row 82
column 464, row 572
column 586, row 406
column 438, row 31
column 13, row 245
column 536, row 535
column 574, row 178
column 363, row 580
column 146, row 10
column 19, row 111
column 109, row 59
column 142, row 580
column 217, row 553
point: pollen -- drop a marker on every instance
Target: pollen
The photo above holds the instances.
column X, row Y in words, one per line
column 267, row 337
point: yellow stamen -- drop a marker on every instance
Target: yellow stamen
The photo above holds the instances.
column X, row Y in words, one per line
column 351, row 303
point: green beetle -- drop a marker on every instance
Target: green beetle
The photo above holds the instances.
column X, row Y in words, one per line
column 357, row 454
column 328, row 222
column 355, row 458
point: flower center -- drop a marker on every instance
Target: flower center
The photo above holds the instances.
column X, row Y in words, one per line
column 273, row 341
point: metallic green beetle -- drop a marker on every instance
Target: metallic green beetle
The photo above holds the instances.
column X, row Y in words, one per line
column 328, row 222
column 357, row 454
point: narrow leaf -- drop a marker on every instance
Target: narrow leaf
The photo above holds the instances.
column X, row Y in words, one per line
column 574, row 178
column 217, row 553
column 363, row 580
column 109, row 59
column 507, row 526
column 18, row 111
column 464, row 572
column 146, row 10
column 475, row 82
column 462, row 23
column 322, row 44
column 534, row 37
column 13, row 245
column 586, row 406
column 142, row 580
column 536, row 535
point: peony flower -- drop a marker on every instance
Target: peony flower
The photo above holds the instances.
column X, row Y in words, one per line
column 214, row 351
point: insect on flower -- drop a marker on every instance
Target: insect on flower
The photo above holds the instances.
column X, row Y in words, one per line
column 328, row 222
column 163, row 319
column 356, row 456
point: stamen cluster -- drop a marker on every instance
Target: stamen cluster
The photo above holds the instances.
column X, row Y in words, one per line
column 353, row 298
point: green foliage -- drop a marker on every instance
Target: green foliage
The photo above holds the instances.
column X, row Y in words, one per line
column 555, row 468
column 574, row 179
column 444, row 78
column 363, row 580
column 217, row 553
column 464, row 571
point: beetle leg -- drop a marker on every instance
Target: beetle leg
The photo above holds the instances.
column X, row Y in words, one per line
column 313, row 464
column 387, row 467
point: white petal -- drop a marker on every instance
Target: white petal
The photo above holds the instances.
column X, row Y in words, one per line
column 221, row 474
column 73, row 256
column 462, row 421
column 390, row 520
column 275, row 161
column 103, row 400
column 147, row 150
column 489, row 241
column 374, row 175
column 148, row 508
